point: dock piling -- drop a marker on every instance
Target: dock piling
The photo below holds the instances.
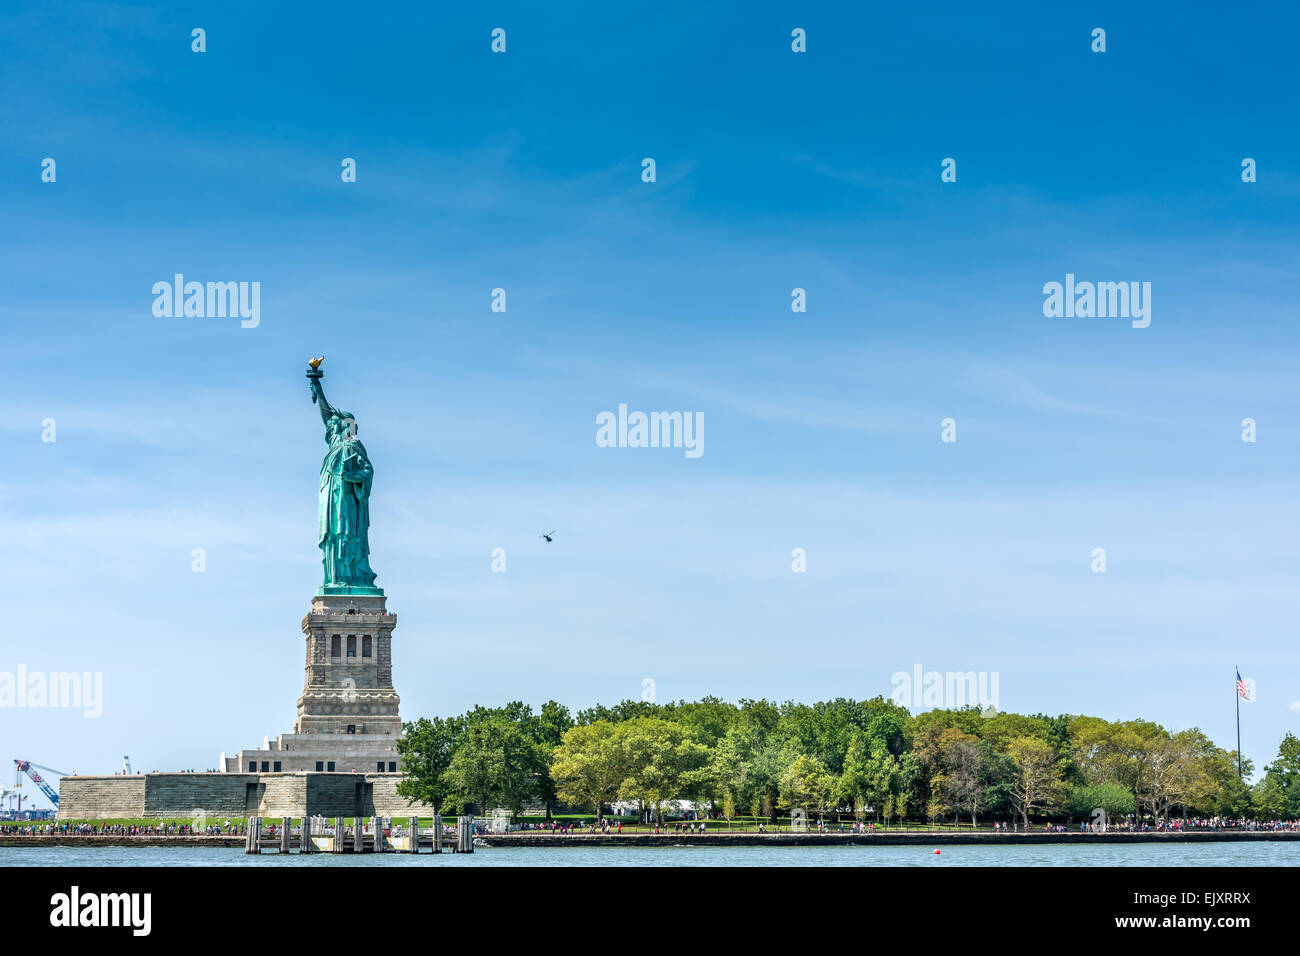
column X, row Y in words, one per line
column 337, row 845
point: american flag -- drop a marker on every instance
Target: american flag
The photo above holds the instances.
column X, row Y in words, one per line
column 1242, row 690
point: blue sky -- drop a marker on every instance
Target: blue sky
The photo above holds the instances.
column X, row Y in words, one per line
column 775, row 170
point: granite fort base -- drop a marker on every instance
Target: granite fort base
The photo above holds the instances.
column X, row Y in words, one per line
column 341, row 759
column 213, row 797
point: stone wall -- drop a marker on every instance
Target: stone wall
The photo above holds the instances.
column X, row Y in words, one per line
column 335, row 794
column 280, row 795
column 190, row 794
column 386, row 801
column 216, row 796
column 101, row 798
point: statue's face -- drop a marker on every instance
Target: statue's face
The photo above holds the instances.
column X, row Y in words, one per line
column 344, row 427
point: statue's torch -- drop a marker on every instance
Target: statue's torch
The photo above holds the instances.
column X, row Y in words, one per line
column 314, row 375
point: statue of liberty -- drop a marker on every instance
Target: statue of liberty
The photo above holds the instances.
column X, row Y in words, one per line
column 344, row 504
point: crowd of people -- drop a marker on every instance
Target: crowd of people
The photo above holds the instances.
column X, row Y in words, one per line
column 121, row 829
column 1212, row 823
column 823, row 826
column 556, row 826
column 140, row 773
column 615, row 826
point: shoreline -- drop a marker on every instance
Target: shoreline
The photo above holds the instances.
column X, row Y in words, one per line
column 724, row 839
column 878, row 838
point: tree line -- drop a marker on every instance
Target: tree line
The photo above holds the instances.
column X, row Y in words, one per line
column 871, row 758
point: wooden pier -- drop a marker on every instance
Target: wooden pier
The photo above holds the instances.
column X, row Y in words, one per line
column 377, row 835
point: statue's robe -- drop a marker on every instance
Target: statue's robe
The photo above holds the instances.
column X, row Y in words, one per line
column 344, row 514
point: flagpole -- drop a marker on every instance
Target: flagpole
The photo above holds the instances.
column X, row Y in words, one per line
column 1236, row 692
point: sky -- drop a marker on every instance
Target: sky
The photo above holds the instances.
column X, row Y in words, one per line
column 774, row 170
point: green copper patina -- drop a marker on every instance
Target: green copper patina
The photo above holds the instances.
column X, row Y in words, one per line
column 344, row 510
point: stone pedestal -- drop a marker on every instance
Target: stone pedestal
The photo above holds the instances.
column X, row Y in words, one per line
column 348, row 718
column 348, row 686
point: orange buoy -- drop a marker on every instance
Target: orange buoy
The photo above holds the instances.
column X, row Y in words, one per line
column 936, row 852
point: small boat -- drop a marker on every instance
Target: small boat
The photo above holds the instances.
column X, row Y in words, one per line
column 482, row 843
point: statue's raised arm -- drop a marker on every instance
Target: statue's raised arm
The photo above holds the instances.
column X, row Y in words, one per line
column 314, row 375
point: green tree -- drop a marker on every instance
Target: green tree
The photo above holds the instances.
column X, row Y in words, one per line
column 1269, row 800
column 965, row 784
column 937, row 807
column 854, row 783
column 623, row 710
column 1000, row 729
column 495, row 763
column 1233, row 798
column 547, row 731
column 426, row 747
column 729, row 809
column 661, row 761
column 752, row 747
column 1174, row 772
column 707, row 720
column 1000, row 776
column 1282, row 780
column 731, row 769
column 1114, row 800
column 826, row 729
column 870, row 777
column 757, row 754
column 807, row 784
column 909, row 794
column 588, row 766
column 1118, row 752
column 1037, row 784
